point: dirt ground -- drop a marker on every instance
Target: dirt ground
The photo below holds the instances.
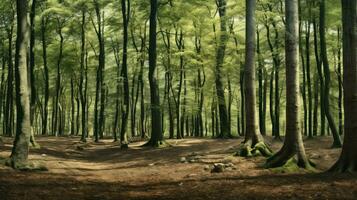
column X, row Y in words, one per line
column 104, row 171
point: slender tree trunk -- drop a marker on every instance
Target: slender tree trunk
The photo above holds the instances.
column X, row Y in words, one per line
column 125, row 4
column 261, row 88
column 336, row 137
column 46, row 75
column 340, row 84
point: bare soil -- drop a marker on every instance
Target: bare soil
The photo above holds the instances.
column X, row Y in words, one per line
column 104, row 171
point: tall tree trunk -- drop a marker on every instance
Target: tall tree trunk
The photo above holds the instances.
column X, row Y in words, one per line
column 83, row 78
column 336, row 137
column 320, row 73
column 340, row 84
column 33, row 94
column 156, row 138
column 125, row 4
column 20, row 149
column 223, row 116
column 46, row 75
column 293, row 143
column 261, row 88
column 348, row 158
column 252, row 133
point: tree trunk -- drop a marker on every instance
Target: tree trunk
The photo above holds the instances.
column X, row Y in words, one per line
column 20, row 149
column 125, row 4
column 348, row 158
column 293, row 143
column 223, row 116
column 156, row 138
column 46, row 75
column 336, row 137
column 252, row 133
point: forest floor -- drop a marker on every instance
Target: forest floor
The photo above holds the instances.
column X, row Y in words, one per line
column 104, row 171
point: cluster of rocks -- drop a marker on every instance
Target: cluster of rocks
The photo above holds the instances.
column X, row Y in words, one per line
column 191, row 158
column 220, row 167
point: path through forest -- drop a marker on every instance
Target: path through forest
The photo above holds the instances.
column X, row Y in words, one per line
column 104, row 171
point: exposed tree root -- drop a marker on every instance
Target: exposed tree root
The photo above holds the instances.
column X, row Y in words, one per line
column 34, row 145
column 292, row 166
column 24, row 166
column 124, row 146
column 259, row 149
column 336, row 145
column 344, row 166
column 157, row 144
column 84, row 140
column 284, row 161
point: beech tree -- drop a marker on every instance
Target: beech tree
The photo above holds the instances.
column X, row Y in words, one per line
column 293, row 144
column 347, row 161
column 20, row 149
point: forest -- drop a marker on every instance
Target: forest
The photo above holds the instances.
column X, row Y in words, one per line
column 178, row 99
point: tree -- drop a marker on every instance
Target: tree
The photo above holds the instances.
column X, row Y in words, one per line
column 156, row 138
column 347, row 161
column 326, row 69
column 253, row 138
column 293, row 144
column 125, row 4
column 223, row 115
column 20, row 149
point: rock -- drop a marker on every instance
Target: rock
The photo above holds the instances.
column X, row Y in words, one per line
column 183, row 159
column 192, row 161
column 80, row 148
column 191, row 175
column 43, row 155
column 206, row 167
column 194, row 154
column 218, row 168
column 151, row 164
column 229, row 165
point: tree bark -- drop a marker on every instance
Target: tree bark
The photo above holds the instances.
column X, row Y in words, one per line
column 347, row 161
column 20, row 149
column 336, row 137
column 293, row 143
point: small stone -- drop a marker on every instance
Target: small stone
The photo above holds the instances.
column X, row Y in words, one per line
column 218, row 168
column 192, row 161
column 43, row 155
column 183, row 159
column 194, row 154
column 206, row 167
column 151, row 164
column 229, row 165
column 180, row 184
